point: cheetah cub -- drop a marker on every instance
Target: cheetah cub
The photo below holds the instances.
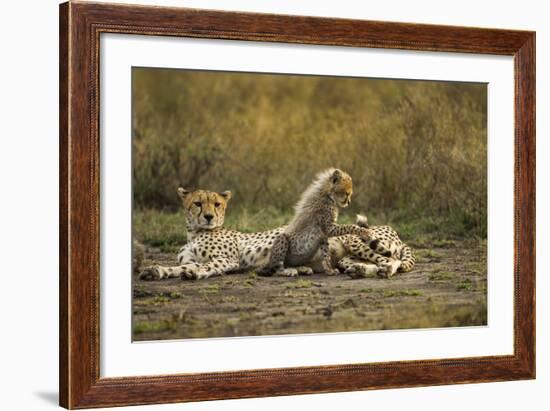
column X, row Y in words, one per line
column 314, row 222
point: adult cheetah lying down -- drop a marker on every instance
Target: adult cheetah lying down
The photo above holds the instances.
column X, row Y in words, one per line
column 213, row 250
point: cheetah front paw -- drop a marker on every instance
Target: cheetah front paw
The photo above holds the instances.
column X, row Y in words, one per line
column 332, row 271
column 328, row 269
column 362, row 271
column 190, row 273
column 386, row 270
column 151, row 273
column 304, row 270
column 383, row 271
column 288, row 272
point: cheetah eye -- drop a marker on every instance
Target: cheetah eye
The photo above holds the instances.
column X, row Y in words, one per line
column 198, row 203
column 217, row 205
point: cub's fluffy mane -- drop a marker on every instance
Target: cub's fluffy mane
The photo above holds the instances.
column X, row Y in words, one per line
column 316, row 191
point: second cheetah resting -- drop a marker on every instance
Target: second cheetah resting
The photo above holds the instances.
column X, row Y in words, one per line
column 384, row 255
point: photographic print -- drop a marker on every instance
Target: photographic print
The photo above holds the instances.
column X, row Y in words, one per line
column 275, row 204
column 235, row 184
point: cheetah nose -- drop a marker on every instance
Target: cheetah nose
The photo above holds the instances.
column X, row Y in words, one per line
column 208, row 217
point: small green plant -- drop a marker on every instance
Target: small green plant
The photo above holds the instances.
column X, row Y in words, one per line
column 250, row 282
column 444, row 243
column 211, row 288
column 152, row 327
column 401, row 293
column 160, row 300
column 428, row 254
column 441, row 276
column 298, row 284
column 465, row 285
column 410, row 293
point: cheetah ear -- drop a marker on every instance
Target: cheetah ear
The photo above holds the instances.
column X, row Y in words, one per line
column 182, row 192
column 226, row 195
column 336, row 176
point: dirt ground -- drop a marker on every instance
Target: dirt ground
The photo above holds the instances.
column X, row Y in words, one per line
column 447, row 288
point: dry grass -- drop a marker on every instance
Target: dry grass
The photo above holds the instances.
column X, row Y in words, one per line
column 415, row 149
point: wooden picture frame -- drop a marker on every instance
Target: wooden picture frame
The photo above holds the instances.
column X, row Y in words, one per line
column 80, row 27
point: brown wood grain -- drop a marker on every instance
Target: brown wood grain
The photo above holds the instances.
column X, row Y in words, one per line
column 63, row 205
column 80, row 27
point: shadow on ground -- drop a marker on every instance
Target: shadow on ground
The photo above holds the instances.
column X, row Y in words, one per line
column 51, row 397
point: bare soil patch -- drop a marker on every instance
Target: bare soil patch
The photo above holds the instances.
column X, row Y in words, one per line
column 447, row 288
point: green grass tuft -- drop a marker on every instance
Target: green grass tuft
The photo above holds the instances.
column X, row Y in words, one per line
column 442, row 276
column 298, row 284
column 166, row 230
column 158, row 326
column 401, row 293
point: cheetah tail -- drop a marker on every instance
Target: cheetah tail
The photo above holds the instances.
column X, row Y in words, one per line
column 407, row 259
column 362, row 221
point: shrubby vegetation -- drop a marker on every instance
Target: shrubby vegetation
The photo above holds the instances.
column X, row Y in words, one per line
column 417, row 150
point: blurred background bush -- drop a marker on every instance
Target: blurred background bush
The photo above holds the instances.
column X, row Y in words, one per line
column 417, row 150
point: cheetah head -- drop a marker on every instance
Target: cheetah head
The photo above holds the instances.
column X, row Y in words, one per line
column 204, row 210
column 341, row 188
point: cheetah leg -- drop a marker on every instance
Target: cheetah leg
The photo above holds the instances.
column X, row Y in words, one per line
column 287, row 272
column 304, row 270
column 407, row 259
column 158, row 272
column 357, row 268
column 387, row 267
column 277, row 258
column 336, row 230
column 326, row 260
column 217, row 266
